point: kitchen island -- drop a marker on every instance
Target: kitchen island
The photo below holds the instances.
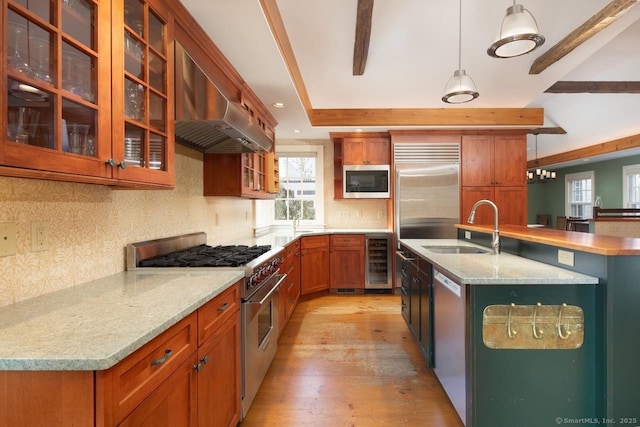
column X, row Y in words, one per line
column 497, row 348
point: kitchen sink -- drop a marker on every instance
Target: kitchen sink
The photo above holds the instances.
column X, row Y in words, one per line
column 455, row 249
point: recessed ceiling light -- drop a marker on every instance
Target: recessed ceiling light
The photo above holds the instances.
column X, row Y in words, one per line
column 296, row 131
column 358, row 130
column 279, row 104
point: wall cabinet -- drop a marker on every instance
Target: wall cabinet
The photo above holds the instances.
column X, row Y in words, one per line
column 290, row 289
column 366, row 151
column 354, row 149
column 237, row 174
column 346, row 261
column 188, row 375
column 314, row 264
column 76, row 112
column 493, row 167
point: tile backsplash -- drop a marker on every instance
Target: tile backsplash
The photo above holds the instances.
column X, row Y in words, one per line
column 90, row 225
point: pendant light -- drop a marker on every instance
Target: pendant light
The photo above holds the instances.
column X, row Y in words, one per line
column 518, row 34
column 460, row 88
column 538, row 175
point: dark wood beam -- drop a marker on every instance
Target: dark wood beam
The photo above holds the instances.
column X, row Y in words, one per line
column 548, row 131
column 525, row 117
column 594, row 87
column 591, row 27
column 363, row 34
column 587, row 152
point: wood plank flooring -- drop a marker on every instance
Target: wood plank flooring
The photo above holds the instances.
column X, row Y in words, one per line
column 350, row 360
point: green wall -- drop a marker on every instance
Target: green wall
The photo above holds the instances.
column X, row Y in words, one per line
column 548, row 198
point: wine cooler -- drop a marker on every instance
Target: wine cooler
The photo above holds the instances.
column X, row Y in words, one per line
column 378, row 262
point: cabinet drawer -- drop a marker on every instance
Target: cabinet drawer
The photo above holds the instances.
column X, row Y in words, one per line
column 310, row 242
column 215, row 312
column 292, row 249
column 143, row 371
column 347, row 240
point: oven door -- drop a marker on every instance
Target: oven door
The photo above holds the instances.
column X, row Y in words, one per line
column 259, row 337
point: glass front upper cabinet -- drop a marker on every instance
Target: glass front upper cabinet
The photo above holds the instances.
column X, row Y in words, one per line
column 143, row 130
column 52, row 56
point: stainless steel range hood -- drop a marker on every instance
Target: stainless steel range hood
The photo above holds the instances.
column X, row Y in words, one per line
column 206, row 120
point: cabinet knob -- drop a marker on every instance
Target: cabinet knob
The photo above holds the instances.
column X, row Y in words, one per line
column 205, row 360
column 110, row 162
column 122, row 165
column 198, row 367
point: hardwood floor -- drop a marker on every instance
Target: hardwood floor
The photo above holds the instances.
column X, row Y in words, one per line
column 350, row 360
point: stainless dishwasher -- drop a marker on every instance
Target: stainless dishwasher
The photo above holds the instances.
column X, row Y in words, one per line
column 449, row 339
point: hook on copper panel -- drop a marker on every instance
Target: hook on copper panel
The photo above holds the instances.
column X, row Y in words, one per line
column 561, row 334
column 537, row 333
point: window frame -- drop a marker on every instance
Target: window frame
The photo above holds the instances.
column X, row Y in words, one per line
column 626, row 172
column 307, row 151
column 578, row 176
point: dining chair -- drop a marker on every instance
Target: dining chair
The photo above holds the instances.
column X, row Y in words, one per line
column 561, row 223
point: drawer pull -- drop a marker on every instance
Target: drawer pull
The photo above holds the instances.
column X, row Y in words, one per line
column 167, row 355
column 223, row 307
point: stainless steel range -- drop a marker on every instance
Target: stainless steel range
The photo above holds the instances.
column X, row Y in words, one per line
column 259, row 293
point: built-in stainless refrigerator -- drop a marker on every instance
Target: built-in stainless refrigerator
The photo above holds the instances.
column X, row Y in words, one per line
column 427, row 201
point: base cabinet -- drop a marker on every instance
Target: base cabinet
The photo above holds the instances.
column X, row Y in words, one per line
column 188, row 375
column 290, row 289
column 346, row 261
column 314, row 264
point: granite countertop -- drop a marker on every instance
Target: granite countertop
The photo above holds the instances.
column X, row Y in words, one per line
column 489, row 269
column 95, row 325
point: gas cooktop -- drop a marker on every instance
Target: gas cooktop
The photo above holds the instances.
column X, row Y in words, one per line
column 207, row 256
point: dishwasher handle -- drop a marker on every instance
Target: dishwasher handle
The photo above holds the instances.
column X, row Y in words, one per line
column 447, row 283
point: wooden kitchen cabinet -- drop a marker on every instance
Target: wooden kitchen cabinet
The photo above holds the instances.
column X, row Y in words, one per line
column 290, row 288
column 236, row 174
column 66, row 92
column 346, row 261
column 314, row 264
column 356, row 149
column 493, row 167
column 273, row 173
column 219, row 383
column 366, row 151
column 188, row 375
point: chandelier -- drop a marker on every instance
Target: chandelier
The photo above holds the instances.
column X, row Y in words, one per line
column 538, row 175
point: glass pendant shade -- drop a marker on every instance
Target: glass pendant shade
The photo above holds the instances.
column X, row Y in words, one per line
column 518, row 34
column 460, row 88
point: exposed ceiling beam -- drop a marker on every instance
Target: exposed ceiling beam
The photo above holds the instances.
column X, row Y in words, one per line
column 548, row 131
column 533, row 117
column 591, row 27
column 587, row 152
column 594, row 87
column 363, row 34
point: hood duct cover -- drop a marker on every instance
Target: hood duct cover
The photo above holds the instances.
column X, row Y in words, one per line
column 206, row 120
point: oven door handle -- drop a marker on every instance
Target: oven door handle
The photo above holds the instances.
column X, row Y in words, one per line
column 280, row 278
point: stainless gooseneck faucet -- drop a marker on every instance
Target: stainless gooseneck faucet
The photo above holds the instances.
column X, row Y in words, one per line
column 495, row 240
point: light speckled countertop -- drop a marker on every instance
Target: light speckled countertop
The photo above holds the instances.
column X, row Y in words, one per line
column 95, row 325
column 489, row 269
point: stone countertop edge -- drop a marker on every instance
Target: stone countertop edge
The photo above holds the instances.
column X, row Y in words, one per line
column 489, row 269
column 95, row 325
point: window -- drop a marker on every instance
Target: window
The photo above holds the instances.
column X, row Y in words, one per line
column 301, row 191
column 631, row 186
column 579, row 194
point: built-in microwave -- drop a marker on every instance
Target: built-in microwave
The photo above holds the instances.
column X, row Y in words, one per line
column 365, row 181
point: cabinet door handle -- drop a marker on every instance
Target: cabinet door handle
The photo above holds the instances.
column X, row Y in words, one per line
column 223, row 307
column 167, row 355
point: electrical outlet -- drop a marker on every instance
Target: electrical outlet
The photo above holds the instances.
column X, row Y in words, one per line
column 217, row 219
column 39, row 236
column 565, row 257
column 467, row 235
column 7, row 239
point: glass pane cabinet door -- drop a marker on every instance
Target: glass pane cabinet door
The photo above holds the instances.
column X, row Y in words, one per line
column 51, row 99
column 144, row 130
